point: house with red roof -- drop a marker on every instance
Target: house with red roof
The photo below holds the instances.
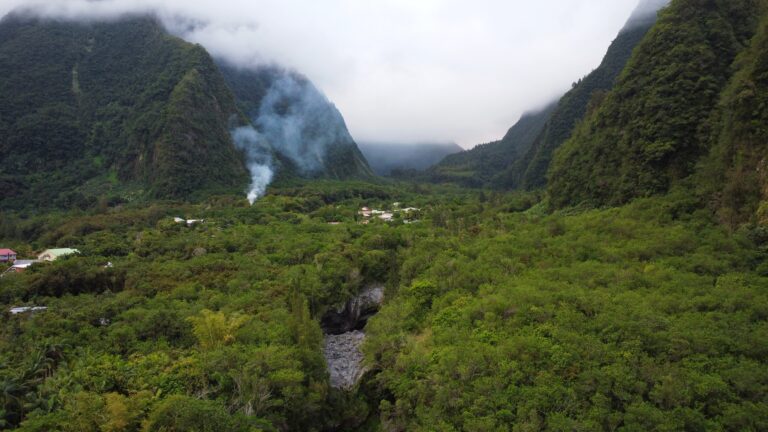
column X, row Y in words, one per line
column 7, row 255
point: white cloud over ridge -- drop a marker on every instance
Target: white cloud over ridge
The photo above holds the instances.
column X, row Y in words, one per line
column 398, row 70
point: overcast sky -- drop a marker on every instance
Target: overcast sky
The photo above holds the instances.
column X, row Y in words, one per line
column 403, row 70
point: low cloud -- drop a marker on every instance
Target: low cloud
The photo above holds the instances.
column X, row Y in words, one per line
column 300, row 123
column 399, row 70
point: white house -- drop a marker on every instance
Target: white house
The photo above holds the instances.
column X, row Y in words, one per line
column 54, row 254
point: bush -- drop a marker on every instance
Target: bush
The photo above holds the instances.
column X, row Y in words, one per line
column 186, row 414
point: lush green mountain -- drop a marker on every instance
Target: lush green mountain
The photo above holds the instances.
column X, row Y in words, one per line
column 122, row 109
column 652, row 129
column 529, row 171
column 735, row 171
column 522, row 157
column 478, row 166
column 388, row 157
column 84, row 107
column 306, row 130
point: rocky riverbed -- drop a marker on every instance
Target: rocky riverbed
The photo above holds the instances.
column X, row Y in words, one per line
column 344, row 337
column 344, row 358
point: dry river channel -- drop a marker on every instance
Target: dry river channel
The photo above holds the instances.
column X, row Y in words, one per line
column 344, row 336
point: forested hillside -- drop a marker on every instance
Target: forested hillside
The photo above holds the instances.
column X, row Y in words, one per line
column 121, row 110
column 86, row 109
column 650, row 131
column 529, row 171
column 735, row 172
column 521, row 159
column 478, row 166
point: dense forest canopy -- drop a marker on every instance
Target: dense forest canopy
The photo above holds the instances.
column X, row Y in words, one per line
column 499, row 315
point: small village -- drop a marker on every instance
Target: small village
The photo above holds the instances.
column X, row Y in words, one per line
column 10, row 257
column 15, row 264
column 407, row 215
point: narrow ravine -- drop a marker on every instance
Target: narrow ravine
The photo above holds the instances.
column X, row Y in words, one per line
column 344, row 337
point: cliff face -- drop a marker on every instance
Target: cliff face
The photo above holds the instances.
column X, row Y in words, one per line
column 652, row 129
column 86, row 106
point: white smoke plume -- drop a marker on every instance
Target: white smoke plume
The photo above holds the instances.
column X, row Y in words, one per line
column 258, row 158
column 301, row 123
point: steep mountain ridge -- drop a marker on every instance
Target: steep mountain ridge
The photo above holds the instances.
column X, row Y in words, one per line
column 529, row 171
column 650, row 131
column 121, row 109
column 522, row 157
column 307, row 132
column 87, row 105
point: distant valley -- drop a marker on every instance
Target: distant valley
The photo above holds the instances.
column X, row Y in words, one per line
column 385, row 158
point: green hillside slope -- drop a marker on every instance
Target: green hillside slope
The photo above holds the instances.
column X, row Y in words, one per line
column 651, row 130
column 529, row 171
column 478, row 166
column 85, row 107
column 522, row 157
column 736, row 172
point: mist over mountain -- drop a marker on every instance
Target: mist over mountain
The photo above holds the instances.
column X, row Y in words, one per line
column 387, row 157
column 522, row 157
column 529, row 171
column 645, row 13
column 121, row 108
column 303, row 127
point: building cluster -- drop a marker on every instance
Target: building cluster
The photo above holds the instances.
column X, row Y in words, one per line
column 406, row 214
column 8, row 256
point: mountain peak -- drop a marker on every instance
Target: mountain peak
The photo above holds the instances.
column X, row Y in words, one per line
column 645, row 13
